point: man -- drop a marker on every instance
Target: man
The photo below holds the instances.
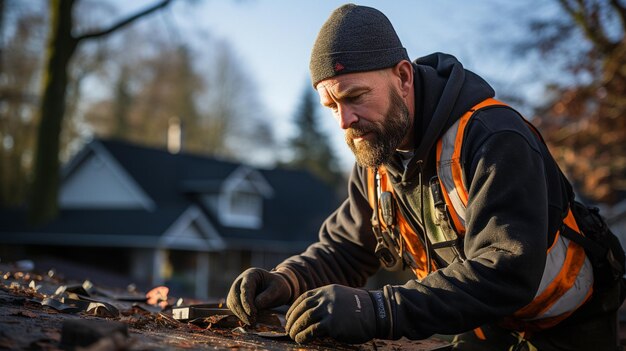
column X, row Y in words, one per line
column 448, row 182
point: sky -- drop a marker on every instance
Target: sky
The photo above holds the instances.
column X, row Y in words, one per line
column 273, row 40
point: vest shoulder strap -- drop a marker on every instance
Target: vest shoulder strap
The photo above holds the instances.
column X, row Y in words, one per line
column 449, row 168
column 567, row 278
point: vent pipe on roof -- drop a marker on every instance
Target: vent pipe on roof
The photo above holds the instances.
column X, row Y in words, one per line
column 174, row 135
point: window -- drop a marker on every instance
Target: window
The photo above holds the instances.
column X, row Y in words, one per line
column 242, row 209
column 245, row 204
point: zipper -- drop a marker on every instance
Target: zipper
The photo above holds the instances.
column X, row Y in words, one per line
column 420, row 164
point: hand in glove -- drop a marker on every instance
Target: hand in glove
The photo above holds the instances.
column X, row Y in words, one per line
column 343, row 313
column 257, row 289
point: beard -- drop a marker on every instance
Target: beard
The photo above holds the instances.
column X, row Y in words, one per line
column 387, row 135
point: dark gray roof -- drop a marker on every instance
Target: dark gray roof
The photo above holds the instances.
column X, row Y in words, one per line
column 294, row 213
column 163, row 175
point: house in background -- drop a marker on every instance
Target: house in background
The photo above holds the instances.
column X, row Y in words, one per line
column 187, row 221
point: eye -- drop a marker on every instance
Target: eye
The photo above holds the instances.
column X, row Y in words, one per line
column 333, row 107
column 354, row 99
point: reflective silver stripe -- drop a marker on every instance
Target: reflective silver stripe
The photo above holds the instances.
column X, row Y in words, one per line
column 565, row 298
column 554, row 263
column 573, row 297
column 444, row 170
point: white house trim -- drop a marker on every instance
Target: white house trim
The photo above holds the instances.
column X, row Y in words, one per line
column 129, row 183
column 73, row 178
column 244, row 176
column 181, row 235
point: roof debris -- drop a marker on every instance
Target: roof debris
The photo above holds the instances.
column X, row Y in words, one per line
column 42, row 311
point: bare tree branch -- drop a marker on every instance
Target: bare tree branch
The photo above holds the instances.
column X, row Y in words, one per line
column 124, row 22
column 589, row 23
column 621, row 11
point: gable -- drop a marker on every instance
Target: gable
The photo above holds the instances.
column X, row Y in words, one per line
column 192, row 231
column 99, row 182
column 240, row 202
column 248, row 180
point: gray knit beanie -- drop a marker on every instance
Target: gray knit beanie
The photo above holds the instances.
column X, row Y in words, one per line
column 354, row 39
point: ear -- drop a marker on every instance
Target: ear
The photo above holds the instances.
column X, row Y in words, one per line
column 404, row 71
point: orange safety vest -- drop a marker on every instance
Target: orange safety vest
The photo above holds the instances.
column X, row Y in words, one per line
column 567, row 279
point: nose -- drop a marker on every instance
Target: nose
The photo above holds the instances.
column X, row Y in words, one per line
column 346, row 116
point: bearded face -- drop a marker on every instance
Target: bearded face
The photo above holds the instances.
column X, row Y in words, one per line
column 386, row 135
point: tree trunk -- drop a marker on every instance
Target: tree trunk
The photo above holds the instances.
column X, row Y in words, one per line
column 61, row 46
column 43, row 204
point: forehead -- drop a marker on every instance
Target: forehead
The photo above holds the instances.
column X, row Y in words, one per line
column 345, row 84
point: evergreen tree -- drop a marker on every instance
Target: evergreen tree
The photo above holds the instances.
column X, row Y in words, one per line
column 310, row 146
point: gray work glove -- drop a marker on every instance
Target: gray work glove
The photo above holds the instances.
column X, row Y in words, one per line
column 345, row 314
column 257, row 289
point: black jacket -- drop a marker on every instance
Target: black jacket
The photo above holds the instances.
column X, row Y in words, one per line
column 516, row 200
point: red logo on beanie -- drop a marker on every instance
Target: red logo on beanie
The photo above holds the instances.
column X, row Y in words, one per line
column 338, row 67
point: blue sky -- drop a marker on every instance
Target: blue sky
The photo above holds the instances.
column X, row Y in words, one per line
column 273, row 40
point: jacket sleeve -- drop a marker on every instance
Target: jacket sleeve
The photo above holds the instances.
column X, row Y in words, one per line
column 505, row 241
column 344, row 253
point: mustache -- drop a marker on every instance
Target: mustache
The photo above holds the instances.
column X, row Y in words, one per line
column 358, row 131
